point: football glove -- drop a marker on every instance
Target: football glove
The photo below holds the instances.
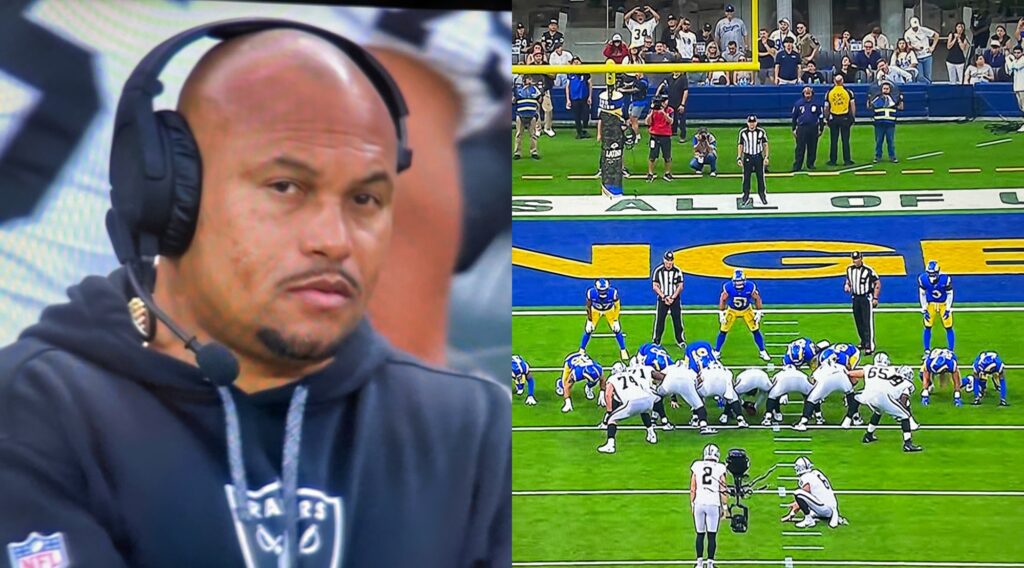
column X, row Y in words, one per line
column 758, row 314
column 721, row 317
column 616, row 326
column 589, row 327
column 530, row 401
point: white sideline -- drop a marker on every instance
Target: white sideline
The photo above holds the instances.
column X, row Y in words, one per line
column 899, row 492
column 759, row 427
column 791, row 562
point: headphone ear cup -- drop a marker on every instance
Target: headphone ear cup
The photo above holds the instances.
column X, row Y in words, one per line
column 186, row 182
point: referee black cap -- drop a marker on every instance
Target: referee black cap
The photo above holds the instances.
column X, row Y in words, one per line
column 856, row 254
column 752, row 118
column 669, row 255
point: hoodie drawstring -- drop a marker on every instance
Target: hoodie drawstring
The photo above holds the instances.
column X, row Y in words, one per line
column 289, row 466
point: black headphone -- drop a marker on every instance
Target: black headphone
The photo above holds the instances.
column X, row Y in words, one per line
column 155, row 165
column 156, row 170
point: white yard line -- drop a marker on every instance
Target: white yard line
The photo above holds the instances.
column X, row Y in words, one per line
column 897, row 492
column 689, row 562
column 928, row 155
column 857, row 168
column 983, row 144
column 795, row 533
column 956, row 427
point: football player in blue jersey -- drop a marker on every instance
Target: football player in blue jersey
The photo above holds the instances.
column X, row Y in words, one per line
column 700, row 356
column 802, row 352
column 652, row 355
column 935, row 290
column 578, row 367
column 521, row 377
column 603, row 301
column 740, row 299
column 845, row 354
column 939, row 362
column 988, row 366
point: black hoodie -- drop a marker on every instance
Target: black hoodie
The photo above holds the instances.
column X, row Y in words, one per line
column 113, row 455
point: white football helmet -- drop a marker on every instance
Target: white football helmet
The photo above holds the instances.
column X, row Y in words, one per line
column 906, row 373
column 618, row 367
column 882, row 359
column 803, row 465
column 711, row 452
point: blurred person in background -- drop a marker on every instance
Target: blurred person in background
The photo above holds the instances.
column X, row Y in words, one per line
column 1015, row 66
column 806, row 44
column 840, row 114
column 808, row 123
column 520, row 44
column 578, row 99
column 811, row 75
column 996, row 59
column 766, row 53
column 641, row 23
column 615, row 49
column 846, row 69
column 905, row 58
column 787, row 64
column 731, row 28
column 780, row 34
column 705, row 152
column 867, row 61
column 527, row 109
column 956, row 56
column 923, row 41
column 685, row 40
column 878, row 38
column 980, row 72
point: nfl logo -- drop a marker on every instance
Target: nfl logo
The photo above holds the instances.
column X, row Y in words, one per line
column 39, row 551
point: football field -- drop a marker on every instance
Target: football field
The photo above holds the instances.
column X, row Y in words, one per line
column 954, row 504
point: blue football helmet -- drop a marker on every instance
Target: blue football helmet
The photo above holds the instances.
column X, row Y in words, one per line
column 602, row 285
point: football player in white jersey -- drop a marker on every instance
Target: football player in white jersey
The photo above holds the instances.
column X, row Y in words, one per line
column 716, row 380
column 754, row 382
column 708, row 495
column 681, row 381
column 786, row 381
column 887, row 390
column 828, row 378
column 814, row 496
column 629, row 392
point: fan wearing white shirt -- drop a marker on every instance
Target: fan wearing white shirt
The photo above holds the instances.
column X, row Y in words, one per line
column 1015, row 67
column 778, row 36
column 560, row 56
column 640, row 26
column 814, row 497
column 685, row 40
column 708, row 495
column 923, row 41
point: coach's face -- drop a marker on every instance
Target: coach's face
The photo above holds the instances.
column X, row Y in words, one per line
column 298, row 171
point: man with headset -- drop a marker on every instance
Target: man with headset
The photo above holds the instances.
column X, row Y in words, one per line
column 268, row 197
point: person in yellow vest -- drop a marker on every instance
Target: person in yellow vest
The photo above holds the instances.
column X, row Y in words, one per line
column 840, row 112
column 885, row 104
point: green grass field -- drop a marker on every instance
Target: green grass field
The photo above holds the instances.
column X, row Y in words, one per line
column 563, row 155
column 573, row 506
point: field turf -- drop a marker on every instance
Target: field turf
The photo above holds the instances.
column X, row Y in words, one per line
column 573, row 506
column 563, row 155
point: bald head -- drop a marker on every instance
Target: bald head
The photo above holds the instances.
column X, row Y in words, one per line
column 298, row 169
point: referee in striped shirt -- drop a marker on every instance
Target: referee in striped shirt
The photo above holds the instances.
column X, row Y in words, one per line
column 864, row 286
column 752, row 156
column 667, row 281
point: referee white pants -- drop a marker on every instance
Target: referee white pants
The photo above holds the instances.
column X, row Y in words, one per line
column 706, row 517
column 810, row 505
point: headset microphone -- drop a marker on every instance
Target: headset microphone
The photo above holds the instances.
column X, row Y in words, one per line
column 215, row 361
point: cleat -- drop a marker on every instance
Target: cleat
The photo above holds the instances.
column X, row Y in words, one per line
column 519, row 392
column 765, row 356
column 957, row 402
column 558, row 388
column 777, row 417
column 800, row 427
column 714, row 174
column 1002, row 402
column 608, row 447
column 808, row 522
column 650, row 178
column 668, row 426
column 693, row 421
column 869, row 437
column 857, row 420
column 742, row 422
column 517, row 157
column 530, row 401
column 846, row 423
column 550, row 133
column 589, row 392
column 977, row 401
column 534, row 156
column 723, row 419
column 819, row 419
column 707, row 431
column 767, row 421
column 667, row 177
column 567, row 407
column 909, row 446
column 652, row 437
column 925, row 400
column 699, row 564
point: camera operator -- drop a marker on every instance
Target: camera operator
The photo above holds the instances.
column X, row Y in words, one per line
column 705, row 151
column 659, row 124
column 708, row 497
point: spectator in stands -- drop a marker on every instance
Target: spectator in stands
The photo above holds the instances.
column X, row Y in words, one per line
column 806, row 44
column 846, row 69
column 996, row 59
column 981, row 22
column 885, row 105
column 697, row 78
column 1019, row 33
column 640, row 102
column 578, row 99
column 923, row 41
column 560, row 56
column 647, row 48
column 980, row 72
column 661, row 55
column 877, row 38
column 527, row 104
column 552, row 38
column 677, row 89
column 706, row 38
column 639, row 25
column 659, row 125
column 904, row 58
column 811, row 75
column 520, row 44
column 787, row 64
column 742, row 78
column 732, row 54
column 686, row 40
column 840, row 114
column 731, row 28
column 844, row 45
column 615, row 49
column 766, row 53
column 1015, row 66
column 1002, row 37
column 713, row 56
column 808, row 124
column 633, row 58
column 780, row 34
column 705, row 152
column 867, row 60
column 892, row 74
column 668, row 35
column 956, row 57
